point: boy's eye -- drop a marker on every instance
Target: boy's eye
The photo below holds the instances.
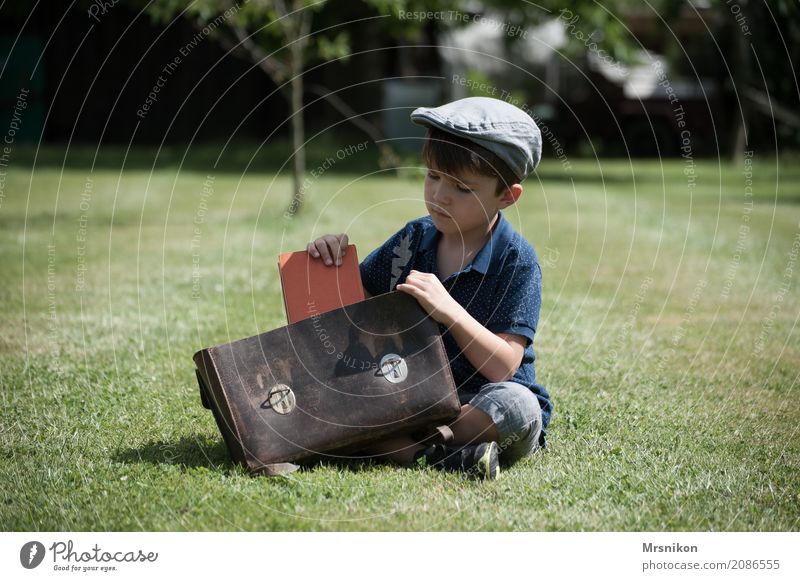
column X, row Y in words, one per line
column 459, row 186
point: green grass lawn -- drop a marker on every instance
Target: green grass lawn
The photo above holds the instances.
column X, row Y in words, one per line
column 667, row 340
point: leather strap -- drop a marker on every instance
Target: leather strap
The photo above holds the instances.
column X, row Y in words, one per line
column 434, row 435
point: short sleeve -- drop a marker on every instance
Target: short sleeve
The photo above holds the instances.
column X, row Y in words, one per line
column 384, row 267
column 518, row 297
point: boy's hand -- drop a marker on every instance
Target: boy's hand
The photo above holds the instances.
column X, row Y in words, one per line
column 432, row 296
column 331, row 248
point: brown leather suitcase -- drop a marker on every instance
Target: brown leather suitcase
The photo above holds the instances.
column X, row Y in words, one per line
column 330, row 384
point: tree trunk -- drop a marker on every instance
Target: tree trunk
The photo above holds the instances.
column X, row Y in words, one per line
column 741, row 78
column 298, row 30
column 298, row 137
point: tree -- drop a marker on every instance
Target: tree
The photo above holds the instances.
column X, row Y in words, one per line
column 764, row 61
column 754, row 36
column 277, row 36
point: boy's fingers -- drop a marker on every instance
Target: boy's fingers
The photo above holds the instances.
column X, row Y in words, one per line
column 329, row 248
column 333, row 247
column 341, row 241
column 411, row 282
column 322, row 247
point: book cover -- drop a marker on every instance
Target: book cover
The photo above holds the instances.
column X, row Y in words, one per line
column 312, row 288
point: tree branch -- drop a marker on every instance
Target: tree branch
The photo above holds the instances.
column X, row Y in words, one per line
column 388, row 156
column 249, row 50
column 277, row 70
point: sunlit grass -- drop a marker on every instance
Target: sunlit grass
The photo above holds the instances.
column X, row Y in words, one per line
column 671, row 356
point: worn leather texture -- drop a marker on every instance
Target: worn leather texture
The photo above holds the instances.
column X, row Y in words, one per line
column 329, row 384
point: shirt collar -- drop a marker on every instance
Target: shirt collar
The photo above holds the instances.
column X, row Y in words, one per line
column 487, row 261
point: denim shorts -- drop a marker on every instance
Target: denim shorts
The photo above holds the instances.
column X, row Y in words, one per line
column 515, row 412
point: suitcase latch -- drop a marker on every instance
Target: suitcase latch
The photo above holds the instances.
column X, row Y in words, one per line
column 394, row 368
column 281, row 398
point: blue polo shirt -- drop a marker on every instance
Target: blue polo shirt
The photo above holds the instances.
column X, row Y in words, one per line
column 501, row 288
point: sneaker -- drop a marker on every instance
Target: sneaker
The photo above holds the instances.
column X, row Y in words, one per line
column 431, row 456
column 479, row 461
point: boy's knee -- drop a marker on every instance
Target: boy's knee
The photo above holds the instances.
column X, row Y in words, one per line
column 515, row 412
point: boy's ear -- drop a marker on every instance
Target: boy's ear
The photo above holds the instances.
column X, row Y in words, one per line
column 510, row 195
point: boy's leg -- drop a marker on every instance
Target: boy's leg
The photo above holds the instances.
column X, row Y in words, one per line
column 507, row 413
column 470, row 427
column 398, row 449
column 473, row 426
column 514, row 413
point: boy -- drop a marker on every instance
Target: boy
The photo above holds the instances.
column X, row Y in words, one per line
column 477, row 277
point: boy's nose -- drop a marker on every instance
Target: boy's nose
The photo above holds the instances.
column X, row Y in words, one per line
column 440, row 195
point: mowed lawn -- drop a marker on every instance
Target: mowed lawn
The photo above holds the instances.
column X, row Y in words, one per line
column 667, row 339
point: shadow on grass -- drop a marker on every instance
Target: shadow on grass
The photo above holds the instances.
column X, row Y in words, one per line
column 186, row 453
column 210, row 453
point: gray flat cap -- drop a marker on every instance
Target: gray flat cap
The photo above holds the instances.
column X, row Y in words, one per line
column 505, row 130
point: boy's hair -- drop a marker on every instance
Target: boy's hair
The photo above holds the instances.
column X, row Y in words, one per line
column 451, row 154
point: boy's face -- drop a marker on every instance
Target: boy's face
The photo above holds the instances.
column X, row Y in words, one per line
column 460, row 203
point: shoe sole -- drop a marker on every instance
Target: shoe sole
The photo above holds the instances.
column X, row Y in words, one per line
column 485, row 463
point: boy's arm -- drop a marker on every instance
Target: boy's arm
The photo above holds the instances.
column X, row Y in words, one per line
column 496, row 356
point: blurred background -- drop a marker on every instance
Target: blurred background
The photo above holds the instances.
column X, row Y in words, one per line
column 605, row 80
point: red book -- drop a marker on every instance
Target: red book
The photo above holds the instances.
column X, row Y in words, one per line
column 312, row 288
